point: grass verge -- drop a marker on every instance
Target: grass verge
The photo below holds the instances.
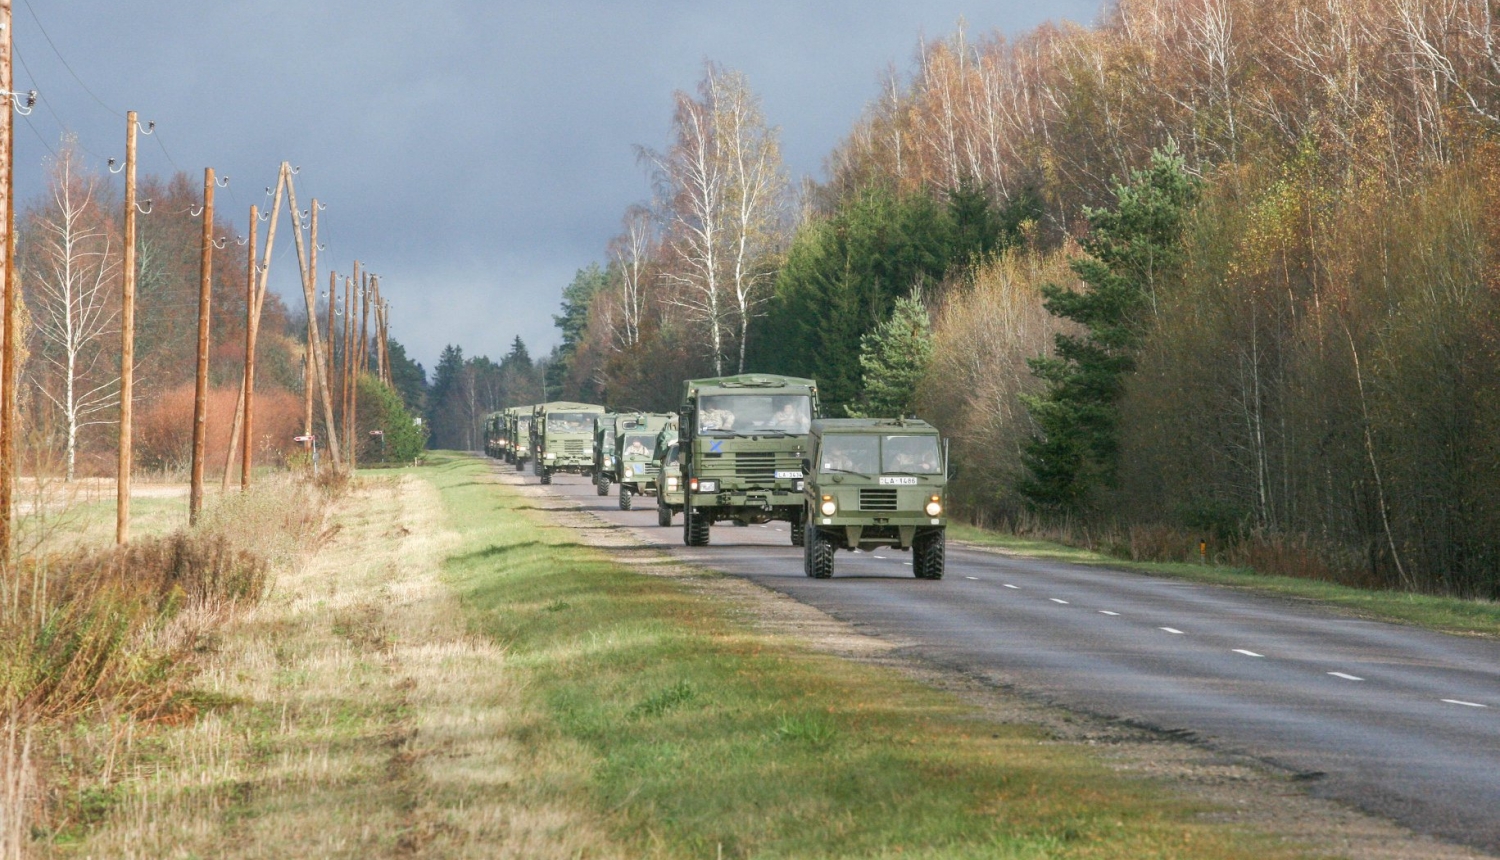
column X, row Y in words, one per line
column 1445, row 614
column 698, row 734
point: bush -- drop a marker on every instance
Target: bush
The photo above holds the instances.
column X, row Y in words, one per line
column 381, row 408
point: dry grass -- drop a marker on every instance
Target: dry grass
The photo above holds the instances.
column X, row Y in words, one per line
column 356, row 717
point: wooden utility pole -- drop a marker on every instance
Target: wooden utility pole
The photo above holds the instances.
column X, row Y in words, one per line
column 127, row 345
column 252, row 331
column 255, row 301
column 344, row 370
column 309, row 294
column 200, row 396
column 333, row 338
column 379, row 334
column 9, row 346
column 308, row 375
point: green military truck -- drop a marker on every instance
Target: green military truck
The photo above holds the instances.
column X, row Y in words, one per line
column 668, row 476
column 518, row 430
column 562, row 438
column 604, row 451
column 635, row 443
column 743, row 442
column 494, row 434
column 875, row 482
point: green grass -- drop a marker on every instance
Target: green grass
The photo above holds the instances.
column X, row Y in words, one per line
column 701, row 733
column 1445, row 614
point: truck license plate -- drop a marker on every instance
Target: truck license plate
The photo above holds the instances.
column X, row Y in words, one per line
column 783, row 473
column 897, row 480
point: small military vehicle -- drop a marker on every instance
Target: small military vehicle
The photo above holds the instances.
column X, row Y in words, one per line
column 604, row 451
column 668, row 476
column 743, row 441
column 518, row 423
column 562, row 438
column 494, row 434
column 875, row 482
column 635, row 443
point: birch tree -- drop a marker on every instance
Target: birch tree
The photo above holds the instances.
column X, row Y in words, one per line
column 70, row 272
column 632, row 251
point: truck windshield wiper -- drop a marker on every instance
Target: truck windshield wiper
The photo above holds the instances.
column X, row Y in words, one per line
column 918, row 474
column 762, row 431
column 850, row 472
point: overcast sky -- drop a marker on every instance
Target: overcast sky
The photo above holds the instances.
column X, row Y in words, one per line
column 475, row 153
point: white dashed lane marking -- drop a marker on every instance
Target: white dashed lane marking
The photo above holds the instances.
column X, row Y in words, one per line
column 975, row 578
column 1346, row 676
column 881, row 557
column 1247, row 653
column 1008, row 585
column 1465, row 704
column 907, row 563
column 1107, row 612
column 1172, row 630
column 1057, row 600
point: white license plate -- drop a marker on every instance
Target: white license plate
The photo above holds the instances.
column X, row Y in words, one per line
column 782, row 473
column 897, row 480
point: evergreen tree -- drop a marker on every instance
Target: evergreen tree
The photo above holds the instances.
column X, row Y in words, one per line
column 518, row 356
column 409, row 376
column 1131, row 249
column 894, row 356
column 573, row 322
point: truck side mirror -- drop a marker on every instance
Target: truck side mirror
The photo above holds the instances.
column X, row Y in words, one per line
column 806, row 467
column 682, row 458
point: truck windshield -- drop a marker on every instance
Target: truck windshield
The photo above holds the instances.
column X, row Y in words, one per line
column 747, row 414
column 570, row 422
column 916, row 455
column 609, row 440
column 851, row 454
column 671, row 455
column 523, row 424
column 638, row 446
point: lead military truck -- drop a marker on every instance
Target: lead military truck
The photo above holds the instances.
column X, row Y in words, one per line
column 875, row 483
column 743, row 439
column 562, row 438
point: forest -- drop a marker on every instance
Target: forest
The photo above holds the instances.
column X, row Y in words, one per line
column 1206, row 270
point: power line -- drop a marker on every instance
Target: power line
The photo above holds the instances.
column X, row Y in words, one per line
column 46, row 103
column 65, row 61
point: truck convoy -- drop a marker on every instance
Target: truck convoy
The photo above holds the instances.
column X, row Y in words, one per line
column 750, row 449
column 635, row 442
column 743, row 440
column 875, row 483
column 562, row 438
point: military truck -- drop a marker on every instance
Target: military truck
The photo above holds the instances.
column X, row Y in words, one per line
column 635, row 442
column 875, row 482
column 519, row 430
column 743, row 441
column 494, row 434
column 668, row 476
column 562, row 438
column 604, row 451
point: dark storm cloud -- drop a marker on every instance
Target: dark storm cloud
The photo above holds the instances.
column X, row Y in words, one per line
column 473, row 153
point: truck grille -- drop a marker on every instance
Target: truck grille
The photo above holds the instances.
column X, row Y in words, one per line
column 877, row 500
column 755, row 465
column 575, row 447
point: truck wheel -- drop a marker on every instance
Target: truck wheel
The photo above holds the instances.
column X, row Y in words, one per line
column 624, row 497
column 520, row 466
column 799, row 533
column 694, row 527
column 820, row 551
column 663, row 514
column 546, row 475
column 927, row 555
column 601, row 483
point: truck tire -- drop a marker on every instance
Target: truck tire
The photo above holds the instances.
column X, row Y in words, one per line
column 520, row 465
column 927, row 555
column 663, row 514
column 601, row 483
column 820, row 550
column 799, row 532
column 695, row 529
column 624, row 497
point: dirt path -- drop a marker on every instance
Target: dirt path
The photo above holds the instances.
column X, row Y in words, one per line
column 369, row 723
column 1238, row 789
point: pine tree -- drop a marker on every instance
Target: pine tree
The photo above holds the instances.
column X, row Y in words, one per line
column 893, row 358
column 1131, row 249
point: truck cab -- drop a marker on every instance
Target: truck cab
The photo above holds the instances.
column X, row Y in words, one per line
column 562, row 438
column 875, row 482
column 743, row 441
column 519, row 423
column 604, row 451
column 635, row 443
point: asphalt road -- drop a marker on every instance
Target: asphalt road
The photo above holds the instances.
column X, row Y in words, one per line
column 1397, row 721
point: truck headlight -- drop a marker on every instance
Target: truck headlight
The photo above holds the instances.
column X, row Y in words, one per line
column 608, row 461
column 934, row 506
column 672, row 482
column 708, row 486
column 797, row 485
column 829, row 506
column 550, row 456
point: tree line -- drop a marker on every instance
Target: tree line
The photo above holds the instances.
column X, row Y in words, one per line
column 1209, row 270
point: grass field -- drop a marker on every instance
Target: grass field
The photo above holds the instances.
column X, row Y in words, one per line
column 1447, row 614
